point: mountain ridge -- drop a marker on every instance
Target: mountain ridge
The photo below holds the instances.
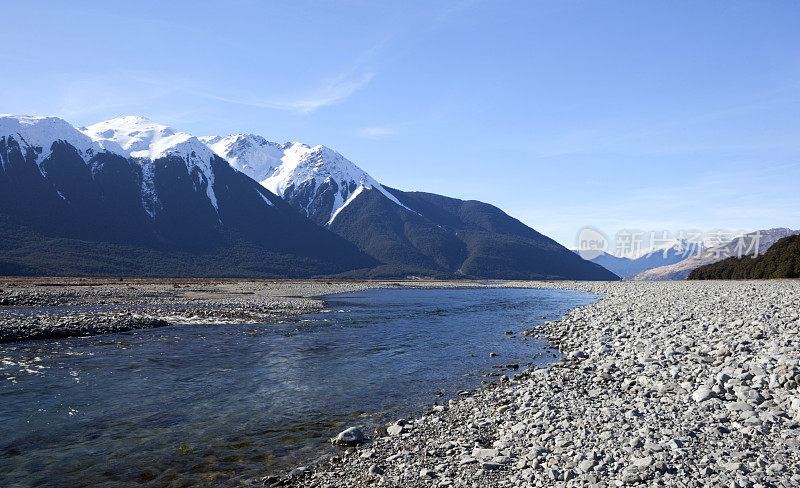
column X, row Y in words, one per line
column 383, row 222
column 131, row 181
column 681, row 269
column 626, row 267
column 297, row 172
column 187, row 200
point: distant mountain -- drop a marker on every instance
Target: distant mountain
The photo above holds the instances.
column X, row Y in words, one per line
column 781, row 260
column 747, row 244
column 627, row 267
column 410, row 232
column 130, row 185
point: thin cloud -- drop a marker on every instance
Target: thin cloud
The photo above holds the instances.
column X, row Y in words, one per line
column 334, row 91
column 376, row 132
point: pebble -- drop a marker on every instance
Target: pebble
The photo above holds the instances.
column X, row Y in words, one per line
column 702, row 394
column 659, row 384
column 426, row 473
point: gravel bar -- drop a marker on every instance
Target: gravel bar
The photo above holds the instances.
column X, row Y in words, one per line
column 683, row 384
column 54, row 308
column 49, row 309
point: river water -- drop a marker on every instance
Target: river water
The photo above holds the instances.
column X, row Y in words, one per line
column 220, row 405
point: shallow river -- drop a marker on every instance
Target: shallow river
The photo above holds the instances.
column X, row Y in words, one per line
column 219, row 405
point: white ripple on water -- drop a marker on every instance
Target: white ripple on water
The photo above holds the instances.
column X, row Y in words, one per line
column 11, row 368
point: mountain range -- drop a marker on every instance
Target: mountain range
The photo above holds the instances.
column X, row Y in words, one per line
column 132, row 197
column 625, row 267
column 746, row 244
column 82, row 202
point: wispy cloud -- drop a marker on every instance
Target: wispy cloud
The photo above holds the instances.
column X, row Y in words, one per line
column 331, row 90
column 335, row 90
column 115, row 92
column 377, row 132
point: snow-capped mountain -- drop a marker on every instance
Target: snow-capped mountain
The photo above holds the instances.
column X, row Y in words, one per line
column 251, row 154
column 129, row 196
column 36, row 135
column 676, row 245
column 317, row 180
column 626, row 267
column 130, row 181
column 411, row 233
column 145, row 141
column 140, row 137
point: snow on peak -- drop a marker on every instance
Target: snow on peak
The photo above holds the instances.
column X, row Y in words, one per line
column 139, row 137
column 280, row 167
column 251, row 154
column 41, row 132
column 301, row 163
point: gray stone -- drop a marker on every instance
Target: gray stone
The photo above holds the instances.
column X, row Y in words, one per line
column 481, row 453
column 426, row 473
column 643, row 462
column 749, row 395
column 349, row 437
column 702, row 394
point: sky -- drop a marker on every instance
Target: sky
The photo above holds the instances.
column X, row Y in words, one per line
column 650, row 116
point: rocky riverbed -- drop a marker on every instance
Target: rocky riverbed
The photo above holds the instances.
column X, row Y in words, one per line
column 662, row 384
column 53, row 308
column 42, row 308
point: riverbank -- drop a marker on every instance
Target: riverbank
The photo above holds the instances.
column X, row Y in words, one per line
column 49, row 308
column 663, row 384
column 54, row 308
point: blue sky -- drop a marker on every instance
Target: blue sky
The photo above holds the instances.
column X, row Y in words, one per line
column 620, row 115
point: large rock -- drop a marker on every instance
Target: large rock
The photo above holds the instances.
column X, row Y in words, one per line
column 349, row 437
